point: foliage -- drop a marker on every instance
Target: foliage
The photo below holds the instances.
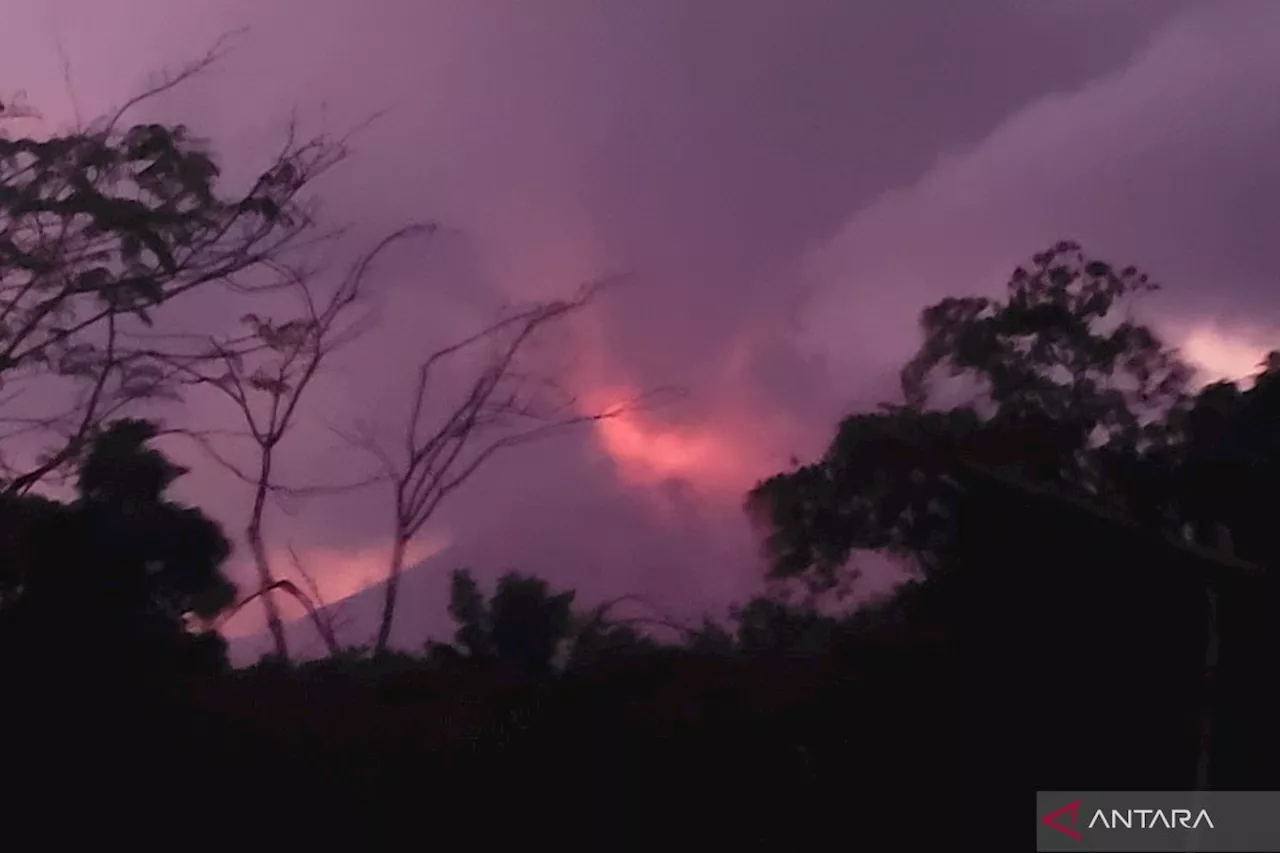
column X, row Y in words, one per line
column 121, row 567
column 773, row 714
column 505, row 405
column 1056, row 348
column 597, row 640
column 711, row 639
column 768, row 626
column 1062, row 392
column 100, row 229
column 1223, row 469
column 520, row 629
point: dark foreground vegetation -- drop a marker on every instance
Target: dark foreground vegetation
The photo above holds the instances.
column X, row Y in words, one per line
column 1092, row 537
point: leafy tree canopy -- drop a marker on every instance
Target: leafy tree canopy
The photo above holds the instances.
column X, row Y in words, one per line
column 100, row 228
column 121, row 567
column 520, row 629
column 1063, row 386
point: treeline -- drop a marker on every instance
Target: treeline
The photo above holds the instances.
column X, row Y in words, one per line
column 105, row 228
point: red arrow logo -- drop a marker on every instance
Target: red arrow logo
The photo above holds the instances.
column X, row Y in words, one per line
column 1050, row 819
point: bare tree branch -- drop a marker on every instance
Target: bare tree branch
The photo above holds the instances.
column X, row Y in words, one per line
column 266, row 384
column 263, row 592
column 66, row 78
column 504, row 407
column 101, row 228
column 320, row 615
column 169, row 81
column 600, row 616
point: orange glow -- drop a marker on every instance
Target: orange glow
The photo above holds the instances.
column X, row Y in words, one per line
column 337, row 573
column 647, row 453
column 1220, row 354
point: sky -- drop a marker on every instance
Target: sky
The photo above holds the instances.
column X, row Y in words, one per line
column 786, row 184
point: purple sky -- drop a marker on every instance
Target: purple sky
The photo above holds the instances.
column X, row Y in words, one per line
column 788, row 183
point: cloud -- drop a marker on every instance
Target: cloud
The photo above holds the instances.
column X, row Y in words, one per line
column 1232, row 353
column 1162, row 164
column 705, row 148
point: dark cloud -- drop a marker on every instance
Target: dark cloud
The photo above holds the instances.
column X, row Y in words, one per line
column 1160, row 163
column 788, row 183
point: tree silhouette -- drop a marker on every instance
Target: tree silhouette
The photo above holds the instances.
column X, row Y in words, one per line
column 505, row 405
column 1219, row 474
column 469, row 610
column 1056, row 348
column 267, row 384
column 121, row 571
column 529, row 623
column 768, row 626
column 1057, row 387
column 597, row 640
column 101, row 229
column 519, row 630
column 1081, row 474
